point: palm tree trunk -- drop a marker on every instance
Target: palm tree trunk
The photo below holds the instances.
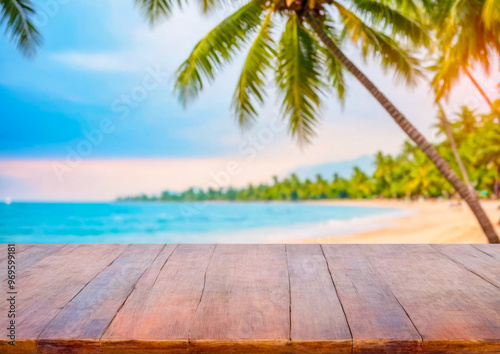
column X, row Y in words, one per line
column 479, row 88
column 411, row 131
column 453, row 145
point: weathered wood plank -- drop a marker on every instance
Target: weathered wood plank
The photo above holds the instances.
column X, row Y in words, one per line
column 482, row 264
column 21, row 247
column 30, row 256
column 48, row 286
column 318, row 323
column 160, row 312
column 452, row 308
column 245, row 304
column 83, row 321
column 492, row 250
column 377, row 321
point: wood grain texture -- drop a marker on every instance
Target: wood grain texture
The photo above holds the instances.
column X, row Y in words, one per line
column 162, row 308
column 318, row 322
column 453, row 309
column 256, row 299
column 492, row 250
column 245, row 304
column 20, row 247
column 45, row 288
column 482, row 264
column 29, row 256
column 377, row 321
column 83, row 321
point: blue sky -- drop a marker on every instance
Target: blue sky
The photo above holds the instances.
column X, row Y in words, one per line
column 88, row 60
column 98, row 54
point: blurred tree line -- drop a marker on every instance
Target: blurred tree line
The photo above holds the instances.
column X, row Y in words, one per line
column 409, row 174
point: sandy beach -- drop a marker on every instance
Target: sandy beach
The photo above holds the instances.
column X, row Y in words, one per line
column 440, row 221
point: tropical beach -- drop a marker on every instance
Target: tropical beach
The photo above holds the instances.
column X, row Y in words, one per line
column 437, row 221
column 255, row 177
column 334, row 101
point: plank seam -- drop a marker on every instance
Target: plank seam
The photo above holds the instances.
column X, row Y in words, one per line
column 375, row 270
column 30, row 245
column 74, row 249
column 480, row 250
column 338, row 297
column 289, row 297
column 163, row 266
column 201, row 297
column 34, row 264
column 130, row 293
column 79, row 291
column 465, row 267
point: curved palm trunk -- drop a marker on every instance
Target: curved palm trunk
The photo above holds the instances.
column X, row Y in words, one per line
column 454, row 148
column 412, row 132
column 479, row 88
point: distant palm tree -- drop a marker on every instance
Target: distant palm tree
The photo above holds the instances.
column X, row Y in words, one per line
column 308, row 60
column 17, row 15
column 444, row 126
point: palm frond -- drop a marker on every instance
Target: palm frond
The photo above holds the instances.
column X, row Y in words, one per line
column 216, row 49
column 334, row 68
column 447, row 73
column 468, row 31
column 381, row 13
column 335, row 74
column 18, row 15
column 156, row 9
column 250, row 87
column 415, row 8
column 380, row 45
column 491, row 13
column 299, row 79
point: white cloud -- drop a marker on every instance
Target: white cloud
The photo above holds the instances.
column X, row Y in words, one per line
column 111, row 62
column 108, row 179
column 363, row 128
column 257, row 158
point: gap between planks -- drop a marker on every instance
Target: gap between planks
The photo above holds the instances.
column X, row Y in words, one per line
column 436, row 248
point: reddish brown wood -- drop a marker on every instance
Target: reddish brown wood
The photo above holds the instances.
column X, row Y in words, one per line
column 245, row 303
column 492, row 250
column 377, row 321
column 256, row 299
column 163, row 305
column 32, row 254
column 19, row 249
column 452, row 308
column 86, row 317
column 49, row 285
column 484, row 265
column 318, row 322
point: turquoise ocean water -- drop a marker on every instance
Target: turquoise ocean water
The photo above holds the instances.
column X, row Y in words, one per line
column 181, row 222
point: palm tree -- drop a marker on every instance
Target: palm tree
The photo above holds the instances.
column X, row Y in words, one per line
column 469, row 33
column 18, row 17
column 446, row 128
column 308, row 60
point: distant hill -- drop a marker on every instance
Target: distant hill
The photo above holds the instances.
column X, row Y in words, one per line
column 343, row 168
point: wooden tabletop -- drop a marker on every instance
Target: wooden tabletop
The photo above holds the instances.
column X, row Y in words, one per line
column 253, row 298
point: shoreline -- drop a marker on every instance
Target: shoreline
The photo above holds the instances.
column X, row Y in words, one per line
column 436, row 221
